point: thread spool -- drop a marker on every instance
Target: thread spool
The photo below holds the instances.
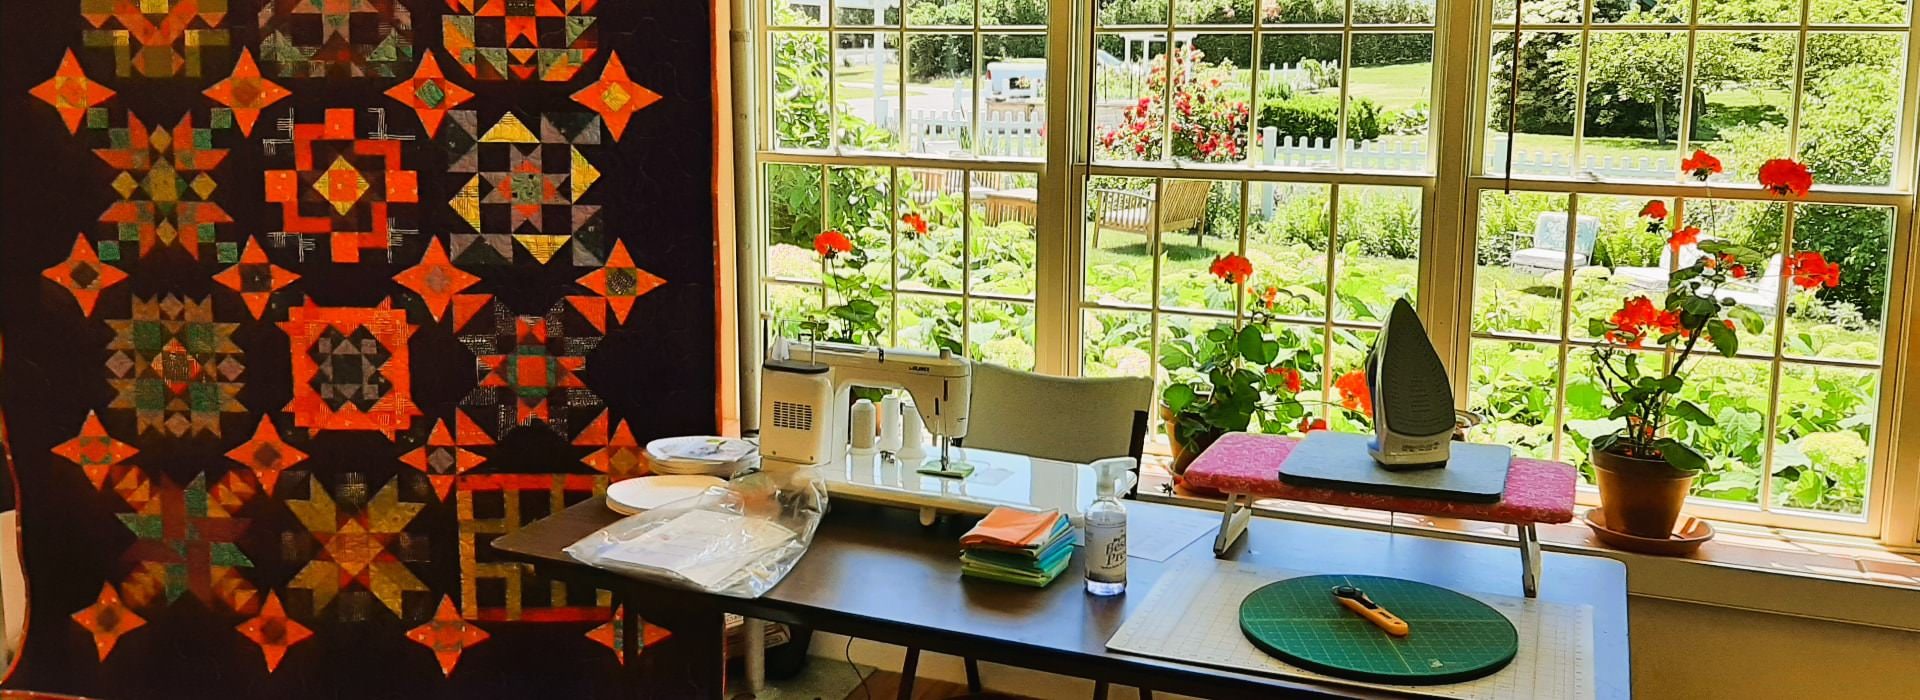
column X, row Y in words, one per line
column 890, row 424
column 913, row 436
column 860, row 427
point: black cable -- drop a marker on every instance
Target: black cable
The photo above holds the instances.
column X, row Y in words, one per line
column 864, row 690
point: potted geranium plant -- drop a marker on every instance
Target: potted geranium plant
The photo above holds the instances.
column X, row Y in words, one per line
column 1644, row 472
column 1223, row 379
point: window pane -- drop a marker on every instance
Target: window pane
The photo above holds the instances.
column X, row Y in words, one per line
column 794, row 13
column 1564, row 12
column 1302, row 11
column 1521, row 259
column 1549, row 77
column 1734, row 392
column 930, row 323
column 1378, row 250
column 1756, row 225
column 1183, row 327
column 1199, row 222
column 1511, row 385
column 794, row 217
column 1749, row 12
column 1187, row 12
column 1617, row 257
column 1299, row 115
column 1002, row 334
column 1859, row 11
column 1013, row 96
column 1115, row 344
column 791, row 305
column 1641, row 12
column 868, row 12
column 799, row 64
column 1745, row 83
column 1347, row 380
column 1119, row 261
column 1843, row 321
column 1129, row 99
column 939, row 13
column 867, row 91
column 1388, row 99
column 1287, row 243
column 1634, row 81
column 932, row 260
column 1305, row 346
column 1849, row 109
column 1117, row 13
column 939, row 86
column 1392, row 12
column 1004, row 241
column 1211, row 98
column 1825, row 438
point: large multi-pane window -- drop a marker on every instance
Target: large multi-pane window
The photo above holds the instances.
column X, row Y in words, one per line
column 1639, row 86
column 1046, row 183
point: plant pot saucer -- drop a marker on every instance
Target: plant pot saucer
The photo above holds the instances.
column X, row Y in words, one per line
column 1687, row 536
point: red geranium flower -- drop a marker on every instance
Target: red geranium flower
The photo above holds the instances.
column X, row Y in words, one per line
column 1785, row 176
column 1291, row 375
column 1308, row 425
column 1631, row 321
column 916, row 222
column 1232, row 268
column 1738, row 271
column 1702, row 165
column 1354, row 395
column 1809, row 269
column 1270, row 296
column 831, row 243
column 1684, row 237
column 1655, row 209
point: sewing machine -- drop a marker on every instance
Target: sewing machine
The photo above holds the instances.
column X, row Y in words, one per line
column 805, row 394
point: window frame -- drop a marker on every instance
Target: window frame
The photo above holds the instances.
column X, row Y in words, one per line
column 1450, row 188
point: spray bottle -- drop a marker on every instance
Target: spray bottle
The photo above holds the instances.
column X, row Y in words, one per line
column 1106, row 527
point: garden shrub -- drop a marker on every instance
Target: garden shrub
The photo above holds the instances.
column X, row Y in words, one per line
column 1318, row 116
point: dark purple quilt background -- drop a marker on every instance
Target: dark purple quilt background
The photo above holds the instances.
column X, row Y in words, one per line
column 655, row 371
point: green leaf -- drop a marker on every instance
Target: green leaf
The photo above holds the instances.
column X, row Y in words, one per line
column 1691, row 412
column 1251, row 343
column 1748, row 318
column 1177, row 397
column 1173, row 356
column 1680, row 455
column 1724, row 339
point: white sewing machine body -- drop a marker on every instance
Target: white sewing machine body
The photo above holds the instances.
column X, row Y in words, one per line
column 804, row 399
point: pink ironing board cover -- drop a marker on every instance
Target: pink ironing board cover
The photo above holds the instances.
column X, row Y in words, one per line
column 1538, row 491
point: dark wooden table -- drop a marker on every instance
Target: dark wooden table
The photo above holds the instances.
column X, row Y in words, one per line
column 877, row 574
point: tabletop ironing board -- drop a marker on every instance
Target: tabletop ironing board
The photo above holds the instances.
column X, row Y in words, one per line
column 1245, row 467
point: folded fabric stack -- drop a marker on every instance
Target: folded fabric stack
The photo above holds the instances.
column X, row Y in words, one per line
column 1016, row 546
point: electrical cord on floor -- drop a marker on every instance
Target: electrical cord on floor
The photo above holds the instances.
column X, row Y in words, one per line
column 864, row 690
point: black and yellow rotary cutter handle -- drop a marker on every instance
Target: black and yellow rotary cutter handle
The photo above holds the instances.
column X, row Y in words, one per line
column 1356, row 600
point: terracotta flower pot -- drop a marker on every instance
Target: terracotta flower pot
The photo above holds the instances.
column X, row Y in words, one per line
column 1640, row 496
column 1182, row 458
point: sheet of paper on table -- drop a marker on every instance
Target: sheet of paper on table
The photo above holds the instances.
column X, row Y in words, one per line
column 1161, row 542
column 702, row 546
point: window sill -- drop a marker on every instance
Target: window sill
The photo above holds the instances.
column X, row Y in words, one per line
column 1769, row 570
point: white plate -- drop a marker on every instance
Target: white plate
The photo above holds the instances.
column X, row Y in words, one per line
column 649, row 492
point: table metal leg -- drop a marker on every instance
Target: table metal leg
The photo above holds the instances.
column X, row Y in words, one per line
column 756, row 655
column 1233, row 523
column 1529, row 560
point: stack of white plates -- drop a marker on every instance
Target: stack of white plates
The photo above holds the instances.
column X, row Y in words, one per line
column 702, row 455
column 650, row 492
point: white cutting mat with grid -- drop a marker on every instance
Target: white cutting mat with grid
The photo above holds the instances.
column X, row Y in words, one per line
column 1193, row 616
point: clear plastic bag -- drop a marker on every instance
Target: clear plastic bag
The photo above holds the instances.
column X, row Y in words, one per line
column 737, row 540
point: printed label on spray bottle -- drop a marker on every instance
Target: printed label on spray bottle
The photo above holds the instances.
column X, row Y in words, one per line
column 1107, row 549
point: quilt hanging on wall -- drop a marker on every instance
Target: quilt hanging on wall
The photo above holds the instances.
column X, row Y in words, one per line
column 304, row 302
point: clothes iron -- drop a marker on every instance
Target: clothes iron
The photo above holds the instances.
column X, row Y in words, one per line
column 1413, row 417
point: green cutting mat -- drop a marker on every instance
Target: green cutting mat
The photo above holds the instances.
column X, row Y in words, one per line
column 1452, row 637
